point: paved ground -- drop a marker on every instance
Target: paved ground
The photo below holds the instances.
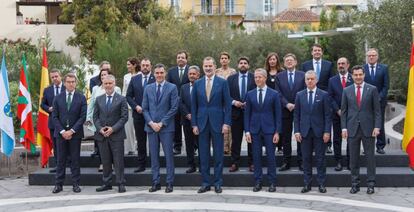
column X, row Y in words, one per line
column 17, row 195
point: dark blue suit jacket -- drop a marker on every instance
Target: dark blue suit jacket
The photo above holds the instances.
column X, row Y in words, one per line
column 317, row 117
column 72, row 119
column 93, row 82
column 326, row 72
column 234, row 87
column 135, row 93
column 215, row 112
column 287, row 95
column 47, row 102
column 266, row 118
column 174, row 77
column 381, row 81
column 185, row 101
column 335, row 90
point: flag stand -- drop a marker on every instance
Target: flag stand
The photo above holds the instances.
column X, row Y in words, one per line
column 9, row 166
column 27, row 164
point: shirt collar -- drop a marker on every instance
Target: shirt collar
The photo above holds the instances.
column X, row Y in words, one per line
column 241, row 74
column 146, row 75
column 67, row 92
column 211, row 78
column 362, row 85
column 314, row 90
column 162, row 83
column 293, row 71
column 345, row 75
column 263, row 89
column 375, row 65
column 112, row 94
column 319, row 61
column 59, row 86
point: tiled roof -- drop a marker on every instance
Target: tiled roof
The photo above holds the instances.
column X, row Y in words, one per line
column 297, row 15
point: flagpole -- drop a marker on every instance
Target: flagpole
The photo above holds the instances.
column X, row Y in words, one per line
column 8, row 164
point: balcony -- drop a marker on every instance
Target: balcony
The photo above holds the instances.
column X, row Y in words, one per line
column 41, row 2
column 216, row 9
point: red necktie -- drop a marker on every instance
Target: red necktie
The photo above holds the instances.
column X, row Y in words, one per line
column 343, row 82
column 359, row 95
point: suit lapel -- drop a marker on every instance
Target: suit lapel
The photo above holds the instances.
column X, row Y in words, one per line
column 214, row 87
column 364, row 94
column 238, row 86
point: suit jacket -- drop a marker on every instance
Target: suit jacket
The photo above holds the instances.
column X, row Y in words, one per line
column 72, row 119
column 174, row 77
column 287, row 95
column 381, row 80
column 115, row 117
column 317, row 116
column 266, row 118
column 368, row 115
column 325, row 74
column 217, row 111
column 135, row 93
column 335, row 90
column 185, row 101
column 94, row 81
column 47, row 102
column 164, row 111
column 234, row 87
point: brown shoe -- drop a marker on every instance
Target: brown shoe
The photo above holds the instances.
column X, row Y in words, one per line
column 251, row 168
column 233, row 168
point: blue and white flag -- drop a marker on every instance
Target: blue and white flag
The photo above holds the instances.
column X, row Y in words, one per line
column 6, row 123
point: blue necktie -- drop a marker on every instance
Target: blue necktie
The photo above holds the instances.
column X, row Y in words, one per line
column 291, row 80
column 145, row 81
column 108, row 103
column 310, row 99
column 318, row 69
column 158, row 93
column 260, row 97
column 243, row 87
column 57, row 90
column 372, row 73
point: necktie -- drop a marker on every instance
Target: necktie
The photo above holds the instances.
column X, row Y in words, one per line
column 243, row 87
column 358, row 96
column 208, row 89
column 291, row 80
column 260, row 97
column 158, row 93
column 191, row 89
column 310, row 99
column 318, row 69
column 57, row 90
column 145, row 81
column 181, row 74
column 69, row 101
column 108, row 103
column 343, row 82
column 372, row 73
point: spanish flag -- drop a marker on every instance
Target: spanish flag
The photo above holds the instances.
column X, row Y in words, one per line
column 408, row 138
column 43, row 135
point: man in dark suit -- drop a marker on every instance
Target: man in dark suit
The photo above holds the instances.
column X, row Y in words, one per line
column 288, row 83
column 239, row 85
column 361, row 121
column 134, row 97
column 263, row 123
column 49, row 95
column 69, row 114
column 376, row 74
column 178, row 75
column 324, row 71
column 160, row 104
column 211, row 118
column 191, row 140
column 313, row 122
column 336, row 86
column 109, row 117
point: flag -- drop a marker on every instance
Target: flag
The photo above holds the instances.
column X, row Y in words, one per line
column 43, row 134
column 6, row 123
column 24, row 110
column 408, row 138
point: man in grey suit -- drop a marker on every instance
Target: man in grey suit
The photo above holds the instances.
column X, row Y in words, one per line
column 110, row 115
column 361, row 121
column 160, row 104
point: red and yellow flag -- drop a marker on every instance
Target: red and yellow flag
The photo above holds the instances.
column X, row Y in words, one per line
column 43, row 134
column 408, row 138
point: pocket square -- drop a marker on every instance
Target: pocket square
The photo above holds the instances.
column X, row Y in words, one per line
column 318, row 100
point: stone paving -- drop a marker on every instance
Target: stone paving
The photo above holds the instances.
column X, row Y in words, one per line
column 17, row 195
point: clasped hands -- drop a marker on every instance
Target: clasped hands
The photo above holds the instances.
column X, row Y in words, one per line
column 106, row 131
column 156, row 126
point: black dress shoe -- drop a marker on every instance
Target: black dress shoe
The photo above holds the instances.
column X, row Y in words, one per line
column 121, row 189
column 380, row 151
column 155, row 188
column 76, row 188
column 104, row 188
column 177, row 152
column 251, row 168
column 203, row 189
column 139, row 169
column 284, row 167
column 348, row 168
column 257, row 187
column 272, row 188
column 169, row 188
column 94, row 154
column 354, row 190
column 233, row 168
column 329, row 150
column 322, row 189
column 306, row 189
column 190, row 170
column 300, row 167
column 57, row 189
column 52, row 170
column 218, row 189
column 370, row 190
column 338, row 167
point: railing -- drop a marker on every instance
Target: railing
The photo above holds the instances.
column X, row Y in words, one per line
column 216, row 9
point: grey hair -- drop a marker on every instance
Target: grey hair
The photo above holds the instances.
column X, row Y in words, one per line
column 261, row 71
column 110, row 77
column 311, row 72
column 195, row 68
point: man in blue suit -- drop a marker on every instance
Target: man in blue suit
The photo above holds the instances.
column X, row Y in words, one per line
column 160, row 104
column 313, row 122
column 288, row 83
column 211, row 118
column 178, row 75
column 69, row 114
column 239, row 85
column 134, row 97
column 262, row 123
column 191, row 140
column 377, row 74
column 49, row 95
column 336, row 86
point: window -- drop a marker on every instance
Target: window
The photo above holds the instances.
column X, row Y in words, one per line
column 175, row 5
column 267, row 6
column 229, row 5
column 206, row 6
